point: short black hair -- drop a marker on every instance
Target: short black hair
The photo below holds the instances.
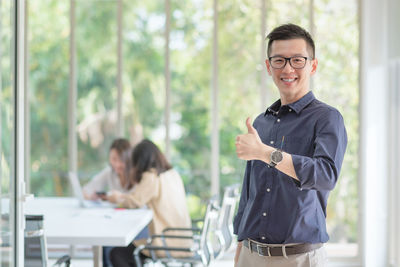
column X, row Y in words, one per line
column 120, row 145
column 291, row 31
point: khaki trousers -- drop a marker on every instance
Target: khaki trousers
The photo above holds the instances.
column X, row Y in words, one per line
column 315, row 258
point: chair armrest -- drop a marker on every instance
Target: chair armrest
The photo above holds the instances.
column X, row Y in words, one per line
column 164, row 242
column 193, row 229
column 173, row 236
column 151, row 249
column 182, row 249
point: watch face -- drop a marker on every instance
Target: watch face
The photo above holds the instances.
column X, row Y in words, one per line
column 276, row 156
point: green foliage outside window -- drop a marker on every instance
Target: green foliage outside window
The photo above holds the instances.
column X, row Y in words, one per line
column 240, row 67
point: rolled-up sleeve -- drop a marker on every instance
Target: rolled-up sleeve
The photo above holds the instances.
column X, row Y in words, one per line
column 243, row 199
column 321, row 171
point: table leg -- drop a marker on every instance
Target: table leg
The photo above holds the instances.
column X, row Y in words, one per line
column 97, row 256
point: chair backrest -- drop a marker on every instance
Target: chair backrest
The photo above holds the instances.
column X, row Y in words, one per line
column 36, row 246
column 205, row 245
column 35, row 242
column 210, row 219
column 226, row 214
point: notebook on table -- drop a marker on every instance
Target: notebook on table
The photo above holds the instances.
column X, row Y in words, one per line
column 78, row 193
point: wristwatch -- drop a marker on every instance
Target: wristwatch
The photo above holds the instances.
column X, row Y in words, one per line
column 276, row 157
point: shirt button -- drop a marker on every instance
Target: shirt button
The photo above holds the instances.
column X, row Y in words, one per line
column 264, row 214
column 290, row 110
column 268, row 190
column 278, row 120
column 271, row 142
column 263, row 237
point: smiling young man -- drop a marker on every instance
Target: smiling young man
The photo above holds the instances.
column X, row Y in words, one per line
column 294, row 152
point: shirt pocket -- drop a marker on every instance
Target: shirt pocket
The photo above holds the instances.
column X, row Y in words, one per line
column 299, row 145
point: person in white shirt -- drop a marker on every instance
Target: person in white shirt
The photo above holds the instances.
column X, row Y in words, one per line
column 114, row 176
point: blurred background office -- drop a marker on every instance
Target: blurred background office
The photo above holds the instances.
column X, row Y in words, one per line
column 77, row 74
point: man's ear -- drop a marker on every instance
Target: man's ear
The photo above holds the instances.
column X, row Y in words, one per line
column 314, row 65
column 268, row 67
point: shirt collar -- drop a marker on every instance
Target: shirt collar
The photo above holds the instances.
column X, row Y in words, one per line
column 297, row 106
column 274, row 108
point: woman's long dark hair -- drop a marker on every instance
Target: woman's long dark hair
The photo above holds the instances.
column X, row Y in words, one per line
column 146, row 156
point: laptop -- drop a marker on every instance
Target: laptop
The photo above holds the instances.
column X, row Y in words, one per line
column 78, row 193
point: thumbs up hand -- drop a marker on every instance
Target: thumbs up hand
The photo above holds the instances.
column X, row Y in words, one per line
column 250, row 128
column 249, row 146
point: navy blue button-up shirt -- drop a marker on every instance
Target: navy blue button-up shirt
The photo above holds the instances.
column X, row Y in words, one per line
column 275, row 208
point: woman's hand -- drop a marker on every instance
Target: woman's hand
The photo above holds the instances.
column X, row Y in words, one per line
column 91, row 196
column 115, row 196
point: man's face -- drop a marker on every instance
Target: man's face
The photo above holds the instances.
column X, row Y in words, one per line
column 292, row 83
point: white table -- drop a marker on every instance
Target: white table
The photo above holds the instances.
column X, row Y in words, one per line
column 67, row 223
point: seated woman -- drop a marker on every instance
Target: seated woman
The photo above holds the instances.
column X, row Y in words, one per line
column 159, row 187
column 113, row 177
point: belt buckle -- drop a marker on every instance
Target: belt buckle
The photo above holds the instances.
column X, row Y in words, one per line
column 259, row 250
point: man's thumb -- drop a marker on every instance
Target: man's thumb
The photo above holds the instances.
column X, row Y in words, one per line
column 250, row 127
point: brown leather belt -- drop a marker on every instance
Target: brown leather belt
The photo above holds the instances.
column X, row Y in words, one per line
column 265, row 250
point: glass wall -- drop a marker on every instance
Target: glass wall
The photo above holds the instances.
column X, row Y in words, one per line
column 48, row 63
column 190, row 49
column 337, row 84
column 144, row 57
column 240, row 64
column 143, row 46
column 96, row 56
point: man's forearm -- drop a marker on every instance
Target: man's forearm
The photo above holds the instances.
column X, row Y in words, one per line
column 286, row 165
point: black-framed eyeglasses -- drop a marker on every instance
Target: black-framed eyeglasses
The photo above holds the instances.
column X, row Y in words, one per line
column 297, row 62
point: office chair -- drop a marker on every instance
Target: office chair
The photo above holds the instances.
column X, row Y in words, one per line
column 200, row 252
column 221, row 231
column 35, row 244
column 220, row 237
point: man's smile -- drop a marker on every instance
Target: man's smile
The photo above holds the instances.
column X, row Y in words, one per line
column 289, row 80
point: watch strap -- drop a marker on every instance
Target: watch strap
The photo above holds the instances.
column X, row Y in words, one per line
column 272, row 164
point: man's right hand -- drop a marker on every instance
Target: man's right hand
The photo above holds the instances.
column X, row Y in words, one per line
column 249, row 146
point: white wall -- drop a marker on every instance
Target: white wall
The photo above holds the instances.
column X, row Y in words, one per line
column 380, row 43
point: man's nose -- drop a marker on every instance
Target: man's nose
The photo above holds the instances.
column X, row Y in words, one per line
column 288, row 67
